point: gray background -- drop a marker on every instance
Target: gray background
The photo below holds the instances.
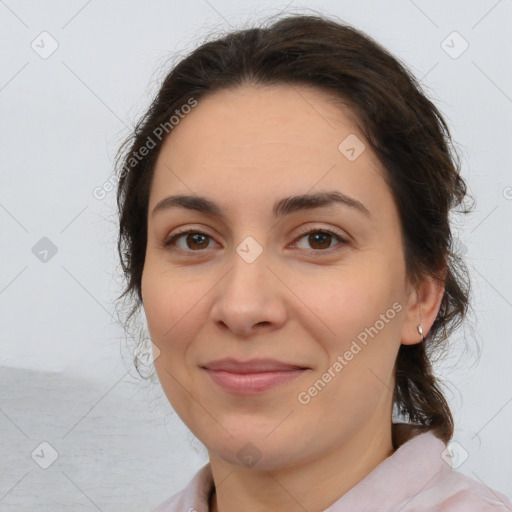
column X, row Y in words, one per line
column 66, row 377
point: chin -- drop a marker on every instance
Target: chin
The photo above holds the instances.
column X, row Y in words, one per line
column 254, row 450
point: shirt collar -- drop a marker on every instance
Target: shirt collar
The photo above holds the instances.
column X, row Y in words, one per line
column 415, row 465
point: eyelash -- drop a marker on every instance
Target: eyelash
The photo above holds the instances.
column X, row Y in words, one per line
column 342, row 241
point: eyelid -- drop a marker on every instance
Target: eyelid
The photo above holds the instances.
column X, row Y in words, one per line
column 342, row 238
column 170, row 240
column 331, row 231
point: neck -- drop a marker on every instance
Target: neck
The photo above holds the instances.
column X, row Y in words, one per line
column 314, row 485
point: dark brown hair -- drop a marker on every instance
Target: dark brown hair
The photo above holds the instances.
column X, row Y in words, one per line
column 403, row 127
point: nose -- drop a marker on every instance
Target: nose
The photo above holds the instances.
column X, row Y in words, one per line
column 249, row 298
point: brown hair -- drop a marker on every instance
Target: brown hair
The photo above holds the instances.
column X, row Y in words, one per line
column 402, row 126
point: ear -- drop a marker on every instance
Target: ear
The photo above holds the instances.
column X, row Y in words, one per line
column 423, row 305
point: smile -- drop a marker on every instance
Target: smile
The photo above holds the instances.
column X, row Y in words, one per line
column 252, row 383
column 251, row 377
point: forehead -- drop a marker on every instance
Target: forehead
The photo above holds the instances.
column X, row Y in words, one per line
column 249, row 141
column 269, row 117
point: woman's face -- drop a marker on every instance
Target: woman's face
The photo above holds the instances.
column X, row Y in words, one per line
column 261, row 279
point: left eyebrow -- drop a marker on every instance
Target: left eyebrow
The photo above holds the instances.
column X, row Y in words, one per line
column 309, row 201
column 282, row 207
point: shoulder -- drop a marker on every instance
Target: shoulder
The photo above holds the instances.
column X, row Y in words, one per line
column 424, row 481
column 451, row 491
column 468, row 495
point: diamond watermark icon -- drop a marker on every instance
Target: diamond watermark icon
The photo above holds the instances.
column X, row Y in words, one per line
column 44, row 250
column 454, row 45
column 147, row 352
column 351, row 147
column 454, row 455
column 249, row 455
column 44, row 455
column 45, row 45
column 459, row 246
column 249, row 249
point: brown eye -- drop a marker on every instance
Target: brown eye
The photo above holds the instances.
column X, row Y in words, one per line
column 194, row 241
column 320, row 240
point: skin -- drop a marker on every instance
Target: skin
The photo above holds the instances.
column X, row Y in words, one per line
column 303, row 300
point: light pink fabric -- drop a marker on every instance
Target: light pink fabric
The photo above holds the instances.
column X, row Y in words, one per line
column 415, row 478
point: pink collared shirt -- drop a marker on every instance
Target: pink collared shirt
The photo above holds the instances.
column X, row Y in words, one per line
column 415, row 478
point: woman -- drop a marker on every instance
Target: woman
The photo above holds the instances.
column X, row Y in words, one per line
column 284, row 224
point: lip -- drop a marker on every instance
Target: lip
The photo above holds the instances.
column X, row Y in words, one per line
column 251, row 366
column 251, row 377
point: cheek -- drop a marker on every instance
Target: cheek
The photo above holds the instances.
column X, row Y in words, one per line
column 176, row 310
column 163, row 294
column 345, row 303
column 362, row 314
column 361, row 357
column 165, row 303
column 158, row 304
column 171, row 310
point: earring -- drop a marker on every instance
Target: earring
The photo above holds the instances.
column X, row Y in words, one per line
column 420, row 330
